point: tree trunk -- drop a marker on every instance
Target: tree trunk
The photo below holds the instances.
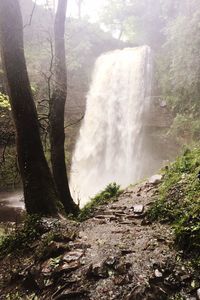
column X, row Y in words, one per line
column 39, row 191
column 57, row 112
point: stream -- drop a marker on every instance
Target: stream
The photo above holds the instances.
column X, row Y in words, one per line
column 11, row 205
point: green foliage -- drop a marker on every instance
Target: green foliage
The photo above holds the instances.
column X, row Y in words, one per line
column 18, row 296
column 4, row 101
column 13, row 296
column 21, row 238
column 178, row 200
column 177, row 297
column 185, row 129
column 9, row 173
column 178, row 69
column 140, row 22
column 109, row 194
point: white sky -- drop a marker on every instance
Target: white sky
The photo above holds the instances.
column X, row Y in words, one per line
column 90, row 7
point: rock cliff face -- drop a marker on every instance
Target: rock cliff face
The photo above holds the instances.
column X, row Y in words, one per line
column 157, row 126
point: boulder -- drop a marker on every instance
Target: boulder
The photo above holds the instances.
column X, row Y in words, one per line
column 155, row 179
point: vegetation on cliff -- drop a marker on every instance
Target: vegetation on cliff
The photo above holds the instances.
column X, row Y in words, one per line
column 177, row 202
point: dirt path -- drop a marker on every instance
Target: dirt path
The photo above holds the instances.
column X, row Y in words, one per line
column 120, row 255
column 117, row 255
column 122, row 241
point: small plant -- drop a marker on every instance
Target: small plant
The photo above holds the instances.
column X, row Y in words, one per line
column 18, row 296
column 22, row 237
column 110, row 193
column 4, row 102
column 177, row 297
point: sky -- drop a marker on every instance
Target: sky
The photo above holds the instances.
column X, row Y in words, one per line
column 90, row 8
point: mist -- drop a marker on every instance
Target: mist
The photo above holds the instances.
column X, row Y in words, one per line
column 99, row 149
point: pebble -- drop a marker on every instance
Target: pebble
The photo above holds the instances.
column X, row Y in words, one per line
column 158, row 274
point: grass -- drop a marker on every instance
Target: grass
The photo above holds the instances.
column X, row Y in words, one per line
column 111, row 192
column 178, row 201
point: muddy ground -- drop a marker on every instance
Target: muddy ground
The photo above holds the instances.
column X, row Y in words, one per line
column 116, row 254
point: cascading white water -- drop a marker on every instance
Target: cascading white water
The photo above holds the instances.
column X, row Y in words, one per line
column 110, row 146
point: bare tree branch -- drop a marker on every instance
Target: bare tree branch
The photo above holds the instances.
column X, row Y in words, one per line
column 31, row 15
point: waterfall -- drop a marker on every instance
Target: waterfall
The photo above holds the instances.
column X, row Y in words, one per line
column 110, row 147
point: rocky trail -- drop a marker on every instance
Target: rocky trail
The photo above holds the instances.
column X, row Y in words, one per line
column 116, row 254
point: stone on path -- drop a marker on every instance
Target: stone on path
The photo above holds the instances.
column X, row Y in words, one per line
column 73, row 255
column 155, row 179
column 158, row 274
column 138, row 209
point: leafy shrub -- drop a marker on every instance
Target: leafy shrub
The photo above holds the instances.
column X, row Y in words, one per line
column 178, row 200
column 110, row 193
column 22, row 237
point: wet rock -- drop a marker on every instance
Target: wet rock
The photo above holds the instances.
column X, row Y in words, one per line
column 121, row 280
column 68, row 267
column 136, row 216
column 185, row 278
column 48, row 224
column 120, row 214
column 160, row 239
column 111, row 261
column 145, row 222
column 100, row 217
column 198, row 294
column 73, row 255
column 113, row 218
column 163, row 103
column 51, row 268
column 123, row 268
column 72, row 295
column 127, row 192
column 155, row 179
column 100, row 221
column 54, row 249
column 138, row 209
column 114, row 207
column 172, row 282
column 130, row 223
column 158, row 274
column 147, row 293
column 122, row 231
column 98, row 271
column 79, row 245
column 126, row 251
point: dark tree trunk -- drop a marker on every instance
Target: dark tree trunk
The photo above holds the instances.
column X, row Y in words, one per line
column 57, row 112
column 39, row 191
